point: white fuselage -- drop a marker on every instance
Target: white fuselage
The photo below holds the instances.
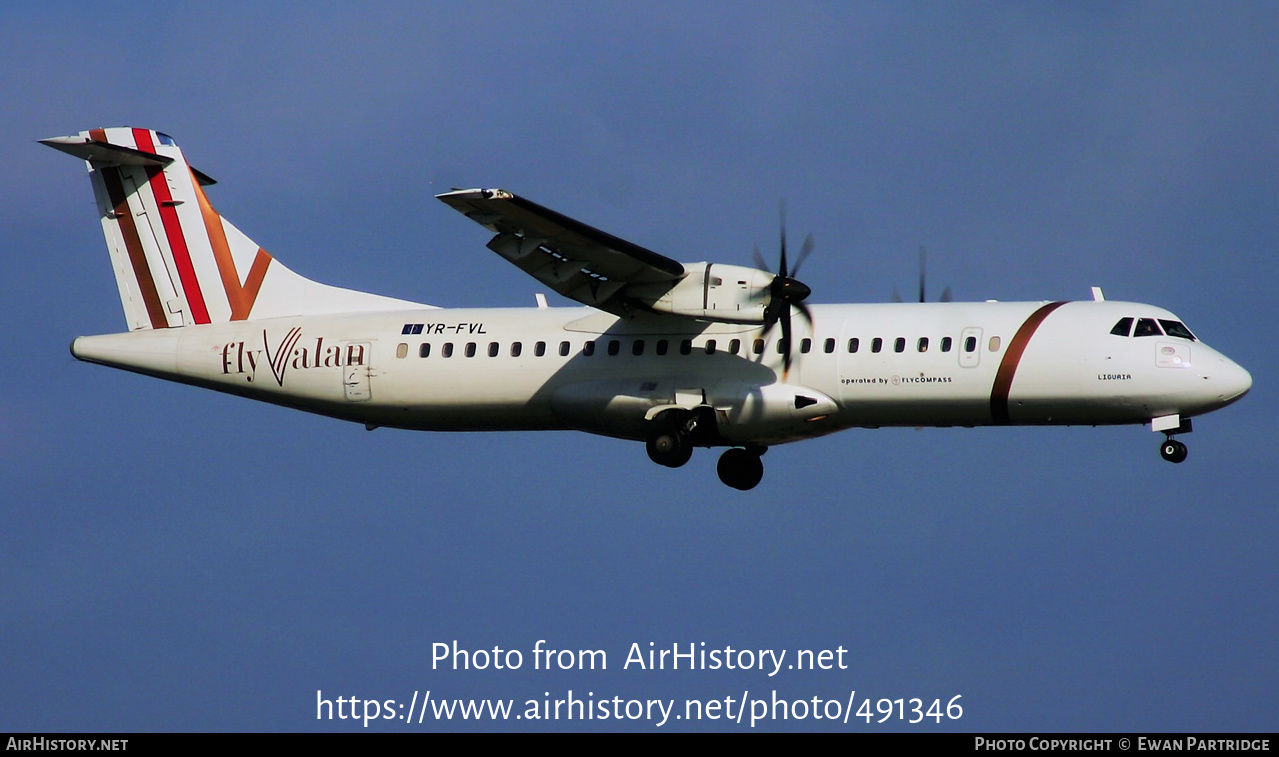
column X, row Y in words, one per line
column 936, row 364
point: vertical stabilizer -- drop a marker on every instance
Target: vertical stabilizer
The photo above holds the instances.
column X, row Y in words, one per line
column 177, row 262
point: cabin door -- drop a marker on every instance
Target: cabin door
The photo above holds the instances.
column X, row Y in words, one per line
column 355, row 371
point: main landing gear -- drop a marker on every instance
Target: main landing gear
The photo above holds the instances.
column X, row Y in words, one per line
column 671, row 448
column 741, row 468
column 676, row 432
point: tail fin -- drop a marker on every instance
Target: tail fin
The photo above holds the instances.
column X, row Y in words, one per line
column 176, row 261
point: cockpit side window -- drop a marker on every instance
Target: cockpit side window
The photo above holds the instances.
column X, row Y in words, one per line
column 1176, row 328
column 1147, row 327
column 1123, row 328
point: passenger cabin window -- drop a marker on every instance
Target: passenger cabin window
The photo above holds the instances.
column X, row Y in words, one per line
column 493, row 349
column 734, row 346
column 539, row 349
column 828, row 346
column 805, row 345
column 447, row 350
column 853, row 344
column 1177, row 329
column 614, row 347
column 637, row 347
column 470, row 349
column 758, row 347
column 401, row 349
column 424, row 350
column 970, row 344
column 946, row 342
column 1123, row 327
column 899, row 344
column 516, row 349
column 783, row 345
column 662, row 346
column 710, row 346
column 588, row 349
column 876, row 344
column 686, row 347
column 922, row 344
column 564, row 348
column 1147, row 327
column 993, row 344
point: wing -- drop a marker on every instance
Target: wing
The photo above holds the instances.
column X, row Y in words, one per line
column 572, row 258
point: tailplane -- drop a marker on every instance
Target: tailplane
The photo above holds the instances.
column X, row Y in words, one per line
column 176, row 261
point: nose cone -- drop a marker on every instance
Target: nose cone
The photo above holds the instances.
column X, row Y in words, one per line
column 1233, row 381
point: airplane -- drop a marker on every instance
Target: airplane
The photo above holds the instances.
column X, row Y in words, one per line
column 675, row 355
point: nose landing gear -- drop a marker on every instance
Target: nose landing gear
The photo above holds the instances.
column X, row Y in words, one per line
column 1173, row 451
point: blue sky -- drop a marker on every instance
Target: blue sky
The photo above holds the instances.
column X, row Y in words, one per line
column 181, row 560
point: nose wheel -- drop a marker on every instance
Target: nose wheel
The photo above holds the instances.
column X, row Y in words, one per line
column 1173, row 451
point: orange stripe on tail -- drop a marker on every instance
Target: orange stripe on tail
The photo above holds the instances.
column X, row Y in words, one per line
column 240, row 297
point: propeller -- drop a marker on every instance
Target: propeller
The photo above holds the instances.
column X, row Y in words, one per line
column 785, row 291
column 946, row 295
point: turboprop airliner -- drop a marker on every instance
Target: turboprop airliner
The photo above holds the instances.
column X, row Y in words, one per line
column 675, row 355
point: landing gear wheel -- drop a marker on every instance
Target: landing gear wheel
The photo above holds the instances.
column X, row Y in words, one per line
column 740, row 468
column 669, row 448
column 1173, row 451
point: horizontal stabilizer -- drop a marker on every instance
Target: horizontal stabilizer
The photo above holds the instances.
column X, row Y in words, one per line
column 105, row 153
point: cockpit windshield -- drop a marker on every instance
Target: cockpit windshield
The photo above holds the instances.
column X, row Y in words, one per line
column 1151, row 327
column 1176, row 328
column 1147, row 327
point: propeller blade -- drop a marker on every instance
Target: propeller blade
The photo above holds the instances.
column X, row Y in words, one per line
column 946, row 295
column 803, row 253
column 804, row 311
column 759, row 259
column 786, row 342
column 785, row 291
column 923, row 262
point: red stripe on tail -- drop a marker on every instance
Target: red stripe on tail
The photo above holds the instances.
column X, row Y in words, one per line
column 173, row 231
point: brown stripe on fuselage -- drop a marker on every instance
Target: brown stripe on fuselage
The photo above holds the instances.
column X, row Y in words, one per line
column 1008, row 366
column 133, row 244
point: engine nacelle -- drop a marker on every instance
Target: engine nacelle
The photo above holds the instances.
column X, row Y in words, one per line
column 712, row 291
column 771, row 413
